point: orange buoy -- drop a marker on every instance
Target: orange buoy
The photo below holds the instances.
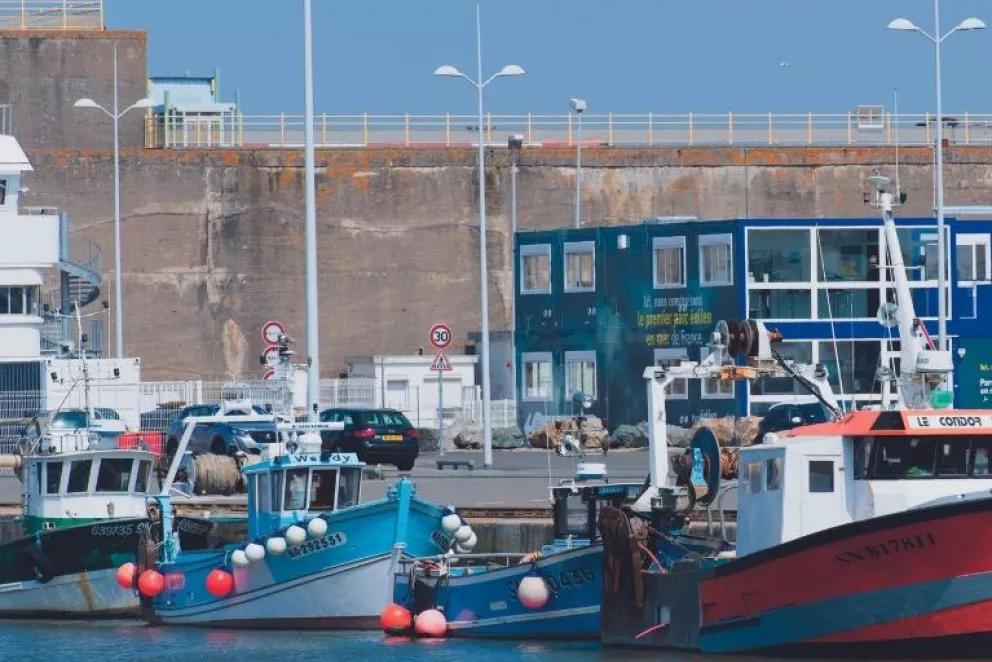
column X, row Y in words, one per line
column 151, row 583
column 431, row 623
column 220, row 583
column 533, row 592
column 395, row 619
column 125, row 575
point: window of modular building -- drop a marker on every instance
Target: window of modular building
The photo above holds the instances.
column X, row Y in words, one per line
column 899, row 457
column 349, row 484
column 800, row 353
column 296, row 490
column 580, row 374
column 670, row 357
column 323, row 487
column 973, row 258
column 580, row 266
column 848, row 303
column 53, row 477
column 669, row 262
column 821, row 476
column 848, row 255
column 716, row 260
column 114, row 475
column 778, row 256
column 852, row 365
column 537, row 376
column 773, row 474
column 779, row 304
column 79, row 476
column 919, row 253
column 18, row 300
column 535, row 269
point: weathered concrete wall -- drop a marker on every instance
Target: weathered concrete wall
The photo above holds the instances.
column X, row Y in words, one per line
column 214, row 238
column 42, row 73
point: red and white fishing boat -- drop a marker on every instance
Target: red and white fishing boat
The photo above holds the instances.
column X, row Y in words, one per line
column 870, row 533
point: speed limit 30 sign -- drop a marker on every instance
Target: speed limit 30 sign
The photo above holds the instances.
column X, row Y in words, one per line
column 440, row 336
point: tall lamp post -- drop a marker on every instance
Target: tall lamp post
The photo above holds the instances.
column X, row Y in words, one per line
column 938, row 39
column 579, row 106
column 514, row 143
column 480, row 85
column 313, row 337
column 116, row 116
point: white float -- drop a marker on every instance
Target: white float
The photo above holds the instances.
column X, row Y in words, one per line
column 275, row 546
column 463, row 533
column 254, row 552
column 240, row 559
column 296, row 535
column 451, row 523
column 317, row 527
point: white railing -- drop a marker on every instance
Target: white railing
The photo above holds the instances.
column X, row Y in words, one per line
column 503, row 413
column 51, row 14
column 179, row 130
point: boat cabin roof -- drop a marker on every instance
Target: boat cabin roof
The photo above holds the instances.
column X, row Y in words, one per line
column 910, row 422
column 304, row 459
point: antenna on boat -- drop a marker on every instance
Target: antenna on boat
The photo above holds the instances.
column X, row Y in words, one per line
column 81, row 352
column 895, row 109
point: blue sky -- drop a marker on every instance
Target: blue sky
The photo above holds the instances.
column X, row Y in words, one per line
column 378, row 56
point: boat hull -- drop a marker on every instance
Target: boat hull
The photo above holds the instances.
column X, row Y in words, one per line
column 342, row 580
column 486, row 604
column 899, row 584
column 88, row 594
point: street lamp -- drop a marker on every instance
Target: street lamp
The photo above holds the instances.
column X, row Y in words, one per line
column 904, row 24
column 579, row 106
column 479, row 84
column 514, row 143
column 116, row 115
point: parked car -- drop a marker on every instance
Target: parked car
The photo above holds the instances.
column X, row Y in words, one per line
column 378, row 436
column 104, row 422
column 788, row 415
column 221, row 438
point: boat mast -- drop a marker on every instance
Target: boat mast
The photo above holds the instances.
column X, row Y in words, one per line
column 81, row 353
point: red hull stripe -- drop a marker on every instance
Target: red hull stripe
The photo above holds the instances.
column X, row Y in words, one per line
column 880, row 616
column 889, row 552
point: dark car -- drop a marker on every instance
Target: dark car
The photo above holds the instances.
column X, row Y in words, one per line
column 788, row 415
column 221, row 438
column 378, row 436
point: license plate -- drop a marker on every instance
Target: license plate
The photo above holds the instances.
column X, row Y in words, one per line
column 392, row 437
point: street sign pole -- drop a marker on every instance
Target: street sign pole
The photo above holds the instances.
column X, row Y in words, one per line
column 440, row 413
column 440, row 337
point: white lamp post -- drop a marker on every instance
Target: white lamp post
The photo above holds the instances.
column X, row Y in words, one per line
column 579, row 106
column 514, row 143
column 116, row 115
column 479, row 84
column 937, row 39
column 313, row 336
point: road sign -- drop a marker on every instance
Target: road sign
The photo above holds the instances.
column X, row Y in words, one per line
column 272, row 331
column 441, row 363
column 270, row 356
column 440, row 336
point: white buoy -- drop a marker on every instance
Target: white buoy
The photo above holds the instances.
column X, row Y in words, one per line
column 451, row 523
column 239, row 558
column 533, row 592
column 463, row 533
column 461, row 550
column 471, row 542
column 296, row 535
column 254, row 552
column 317, row 527
column 276, row 546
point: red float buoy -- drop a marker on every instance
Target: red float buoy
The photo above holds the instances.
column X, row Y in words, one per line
column 395, row 619
column 431, row 623
column 125, row 575
column 220, row 583
column 151, row 583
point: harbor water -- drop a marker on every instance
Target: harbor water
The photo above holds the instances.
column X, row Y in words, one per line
column 112, row 641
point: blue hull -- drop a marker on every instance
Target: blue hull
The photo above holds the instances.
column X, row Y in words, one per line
column 486, row 605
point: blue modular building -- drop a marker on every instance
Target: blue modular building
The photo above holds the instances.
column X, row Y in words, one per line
column 595, row 306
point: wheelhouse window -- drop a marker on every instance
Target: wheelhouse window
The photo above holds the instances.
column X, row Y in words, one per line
column 669, row 262
column 580, row 374
column 263, row 494
column 902, row 457
column 821, row 476
column 323, row 486
column 349, row 486
column 949, row 457
column 114, row 474
column 752, row 477
column 141, row 483
column 773, row 474
column 973, row 258
column 537, row 375
column 53, row 477
column 296, row 490
column 716, row 260
column 580, row 266
column 535, row 269
column 667, row 358
column 3, row 191
column 79, row 477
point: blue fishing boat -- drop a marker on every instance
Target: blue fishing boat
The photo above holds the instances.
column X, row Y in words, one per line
column 315, row 556
column 553, row 593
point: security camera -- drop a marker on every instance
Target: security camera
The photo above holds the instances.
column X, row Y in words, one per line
column 879, row 182
column 578, row 105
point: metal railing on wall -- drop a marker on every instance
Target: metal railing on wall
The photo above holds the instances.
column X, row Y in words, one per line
column 51, row 14
column 197, row 130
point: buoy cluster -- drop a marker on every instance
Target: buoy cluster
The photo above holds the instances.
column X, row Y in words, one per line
column 398, row 620
column 455, row 526
column 220, row 581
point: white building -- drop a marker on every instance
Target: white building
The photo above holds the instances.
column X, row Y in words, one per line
column 408, row 384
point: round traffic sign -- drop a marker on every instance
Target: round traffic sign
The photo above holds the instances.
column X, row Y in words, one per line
column 270, row 356
column 269, row 374
column 440, row 336
column 272, row 331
